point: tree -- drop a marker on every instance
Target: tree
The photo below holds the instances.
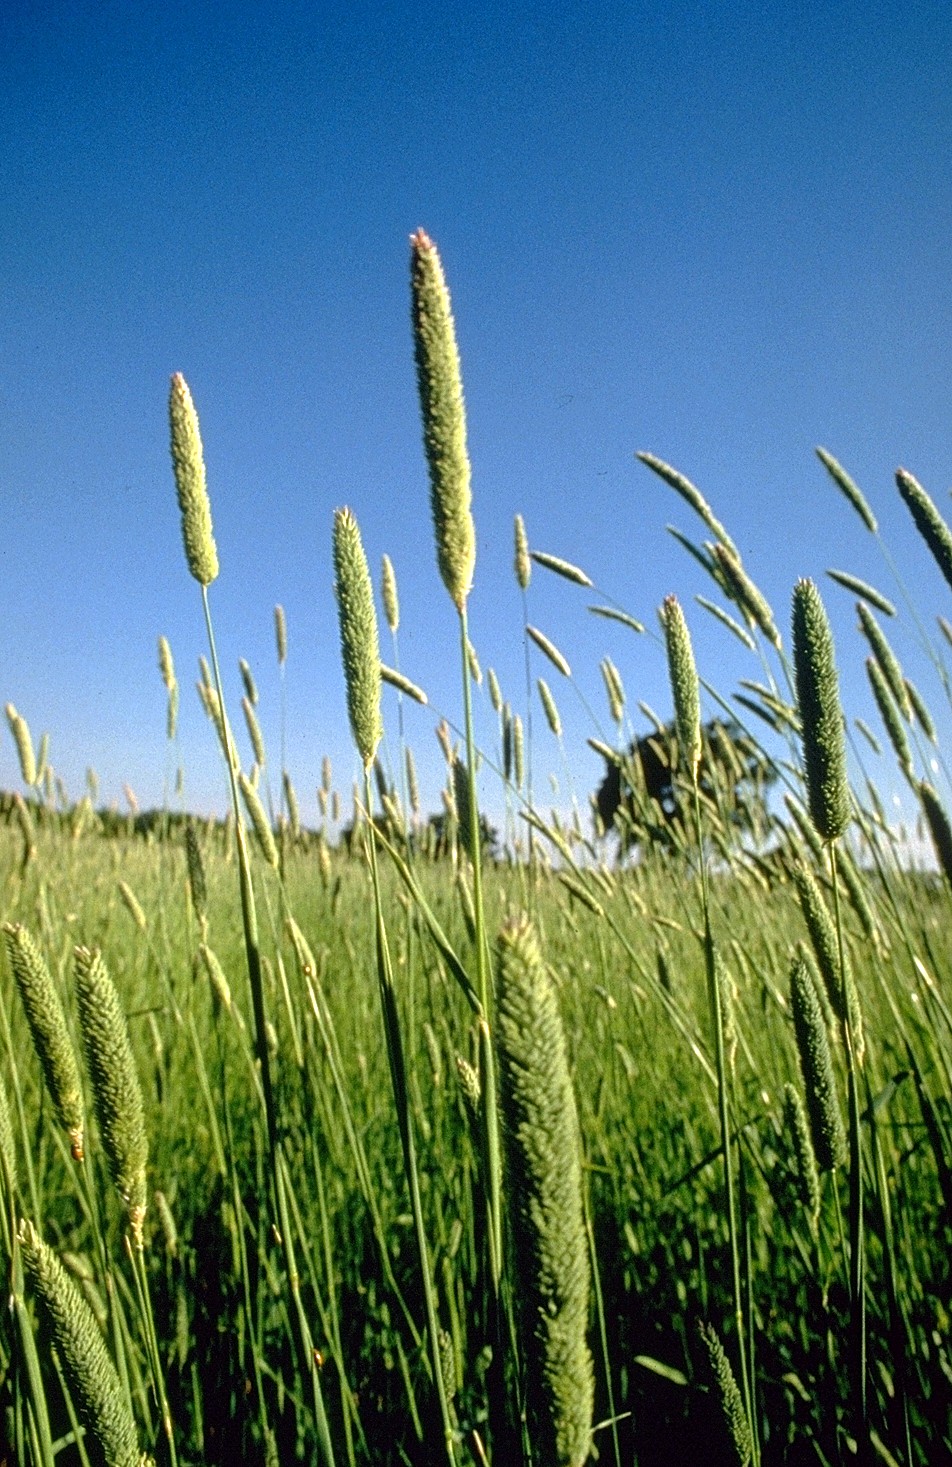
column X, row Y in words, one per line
column 646, row 799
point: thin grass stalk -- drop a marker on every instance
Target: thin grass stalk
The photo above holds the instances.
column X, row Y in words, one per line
column 743, row 1318
column 491, row 1141
column 857, row 1279
column 401, row 1095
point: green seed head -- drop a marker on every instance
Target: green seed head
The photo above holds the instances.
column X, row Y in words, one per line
column 259, row 820
column 254, row 731
column 166, row 665
column 89, row 1371
column 801, row 1144
column 690, row 494
column 413, row 788
column 544, row 1193
column 115, row 1083
column 930, row 524
column 889, row 713
column 388, row 592
column 728, row 1394
column 821, row 718
column 550, row 650
column 684, row 683
column 21, row 737
column 8, row 1150
column 360, row 648
column 521, row 564
column 51, row 1040
column 548, row 705
column 189, row 467
column 816, row 1067
column 281, row 635
column 848, row 488
column 518, row 752
column 939, row 828
column 247, row 678
column 614, row 688
column 444, row 421
column 886, row 657
column 197, row 884
column 563, row 568
column 840, row 990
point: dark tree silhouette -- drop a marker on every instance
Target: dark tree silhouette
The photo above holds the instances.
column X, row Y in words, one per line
column 645, row 799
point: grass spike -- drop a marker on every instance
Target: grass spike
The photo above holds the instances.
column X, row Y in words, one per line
column 544, row 1189
column 188, row 464
column 444, row 419
column 115, row 1083
column 821, row 718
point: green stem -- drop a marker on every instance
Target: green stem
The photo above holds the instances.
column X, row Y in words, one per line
column 723, row 1107
column 857, row 1248
column 401, row 1095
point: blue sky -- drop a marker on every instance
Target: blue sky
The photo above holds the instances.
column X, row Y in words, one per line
column 722, row 233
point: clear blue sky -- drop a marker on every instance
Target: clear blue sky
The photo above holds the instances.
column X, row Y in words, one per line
column 720, row 232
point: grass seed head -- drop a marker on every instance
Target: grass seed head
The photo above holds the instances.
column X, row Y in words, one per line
column 563, row 568
column 886, row 657
column 550, row 650
column 115, row 1083
column 8, row 1150
column 281, row 635
column 816, row 1067
column 848, row 488
column 544, row 1194
column 518, row 752
column 255, row 737
column 889, row 713
column 20, row 730
column 188, row 465
column 728, row 1395
column 388, row 594
column 360, row 647
column 821, row 718
column 864, row 590
column 444, row 420
column 939, row 828
column 48, row 1028
column 166, row 665
column 198, row 887
column 804, row 1157
column 259, row 821
column 551, row 711
column 929, row 522
column 840, row 988
column 689, row 493
column 247, row 678
column 522, row 565
column 90, row 1374
column 684, row 683
column 413, row 788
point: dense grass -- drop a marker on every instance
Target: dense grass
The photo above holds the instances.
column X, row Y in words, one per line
column 632, row 992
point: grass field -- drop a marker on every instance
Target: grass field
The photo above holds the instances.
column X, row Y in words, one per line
column 459, row 1159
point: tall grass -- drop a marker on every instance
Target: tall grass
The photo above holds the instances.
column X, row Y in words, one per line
column 334, row 1184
